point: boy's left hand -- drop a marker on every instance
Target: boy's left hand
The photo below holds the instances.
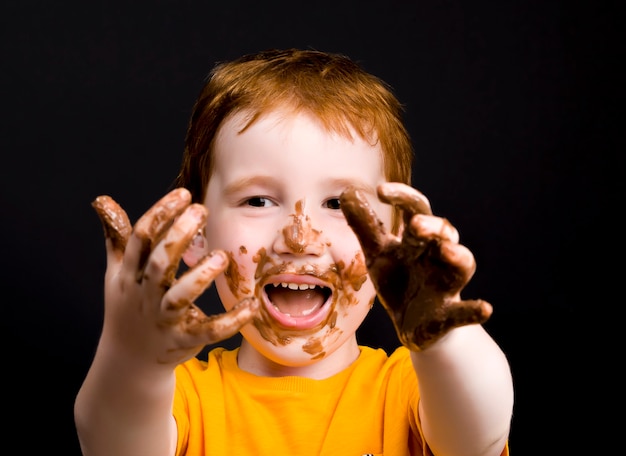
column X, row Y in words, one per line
column 420, row 273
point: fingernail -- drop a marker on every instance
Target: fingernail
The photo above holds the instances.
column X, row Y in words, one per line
column 217, row 259
column 198, row 240
column 198, row 212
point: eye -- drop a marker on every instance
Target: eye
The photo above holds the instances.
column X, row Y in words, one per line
column 332, row 203
column 259, row 201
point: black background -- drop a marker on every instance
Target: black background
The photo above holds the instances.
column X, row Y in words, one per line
column 511, row 106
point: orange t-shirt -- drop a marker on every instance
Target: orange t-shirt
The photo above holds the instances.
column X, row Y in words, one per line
column 370, row 408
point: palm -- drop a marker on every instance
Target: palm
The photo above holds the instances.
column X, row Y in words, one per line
column 150, row 309
column 418, row 279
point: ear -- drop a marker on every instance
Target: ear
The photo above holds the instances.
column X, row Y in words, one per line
column 196, row 250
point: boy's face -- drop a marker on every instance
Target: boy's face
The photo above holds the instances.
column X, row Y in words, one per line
column 273, row 205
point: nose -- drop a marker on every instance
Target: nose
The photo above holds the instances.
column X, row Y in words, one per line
column 299, row 236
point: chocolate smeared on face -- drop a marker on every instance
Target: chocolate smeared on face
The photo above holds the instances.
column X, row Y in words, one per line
column 234, row 278
column 300, row 233
column 315, row 345
column 267, row 268
column 417, row 279
column 355, row 273
column 296, row 303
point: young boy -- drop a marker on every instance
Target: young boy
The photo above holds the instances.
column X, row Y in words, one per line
column 294, row 197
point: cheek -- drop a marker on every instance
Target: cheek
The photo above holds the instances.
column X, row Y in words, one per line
column 357, row 290
column 359, row 303
column 350, row 317
column 237, row 281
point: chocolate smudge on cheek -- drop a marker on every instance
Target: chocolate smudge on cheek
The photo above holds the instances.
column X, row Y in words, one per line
column 352, row 277
column 356, row 273
column 234, row 278
column 262, row 260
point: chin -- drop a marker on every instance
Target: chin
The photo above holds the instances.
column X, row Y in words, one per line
column 291, row 349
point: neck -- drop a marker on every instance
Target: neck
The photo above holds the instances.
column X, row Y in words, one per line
column 254, row 362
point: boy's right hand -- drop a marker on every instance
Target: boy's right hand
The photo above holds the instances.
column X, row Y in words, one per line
column 149, row 312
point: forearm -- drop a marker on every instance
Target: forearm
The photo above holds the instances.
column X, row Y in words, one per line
column 125, row 408
column 466, row 393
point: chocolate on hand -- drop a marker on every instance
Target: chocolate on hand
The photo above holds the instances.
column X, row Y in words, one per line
column 418, row 279
column 142, row 264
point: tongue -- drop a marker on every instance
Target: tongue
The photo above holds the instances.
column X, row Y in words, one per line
column 296, row 303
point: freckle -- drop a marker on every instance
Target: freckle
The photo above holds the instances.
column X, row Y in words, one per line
column 243, row 250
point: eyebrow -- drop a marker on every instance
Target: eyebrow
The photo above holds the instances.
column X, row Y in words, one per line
column 356, row 183
column 242, row 183
column 268, row 180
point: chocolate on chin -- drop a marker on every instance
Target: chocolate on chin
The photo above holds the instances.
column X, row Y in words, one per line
column 418, row 279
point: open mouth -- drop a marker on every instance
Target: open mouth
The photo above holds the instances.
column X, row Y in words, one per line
column 297, row 305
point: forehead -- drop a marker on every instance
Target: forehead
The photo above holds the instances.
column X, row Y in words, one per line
column 334, row 124
column 293, row 143
column 288, row 126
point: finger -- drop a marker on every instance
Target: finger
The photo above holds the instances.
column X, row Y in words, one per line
column 458, row 255
column 459, row 313
column 114, row 221
column 193, row 283
column 460, row 265
column 160, row 215
column 165, row 259
column 363, row 221
column 151, row 226
column 469, row 312
column 215, row 328
column 429, row 226
column 410, row 200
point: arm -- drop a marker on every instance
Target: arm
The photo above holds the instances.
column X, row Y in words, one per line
column 124, row 406
column 466, row 393
column 465, row 382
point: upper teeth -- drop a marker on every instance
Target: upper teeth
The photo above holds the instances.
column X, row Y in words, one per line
column 295, row 286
